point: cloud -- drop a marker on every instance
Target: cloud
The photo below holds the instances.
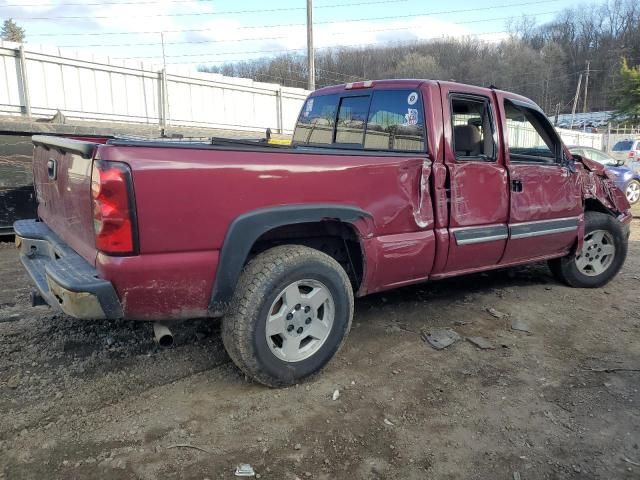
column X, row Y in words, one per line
column 195, row 38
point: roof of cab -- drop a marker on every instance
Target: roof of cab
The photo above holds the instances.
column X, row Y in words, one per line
column 401, row 83
column 413, row 83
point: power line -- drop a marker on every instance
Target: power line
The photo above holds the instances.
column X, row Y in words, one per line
column 217, row 54
column 192, row 14
column 443, row 12
column 290, row 50
column 247, row 39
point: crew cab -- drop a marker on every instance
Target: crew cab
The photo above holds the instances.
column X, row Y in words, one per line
column 386, row 183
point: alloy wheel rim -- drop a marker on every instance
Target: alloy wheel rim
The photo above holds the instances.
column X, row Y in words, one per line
column 300, row 320
column 633, row 192
column 598, row 252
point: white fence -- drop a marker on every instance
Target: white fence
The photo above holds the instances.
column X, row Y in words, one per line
column 39, row 82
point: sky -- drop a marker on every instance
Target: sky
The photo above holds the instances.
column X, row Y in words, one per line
column 212, row 32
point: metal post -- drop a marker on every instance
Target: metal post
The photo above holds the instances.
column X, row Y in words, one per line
column 24, row 84
column 165, row 89
column 586, row 87
column 311, row 68
column 575, row 100
column 162, row 103
column 279, row 109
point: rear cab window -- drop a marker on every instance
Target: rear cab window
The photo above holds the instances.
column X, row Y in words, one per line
column 623, row 146
column 473, row 128
column 391, row 120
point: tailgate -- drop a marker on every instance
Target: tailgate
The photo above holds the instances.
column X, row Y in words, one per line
column 62, row 180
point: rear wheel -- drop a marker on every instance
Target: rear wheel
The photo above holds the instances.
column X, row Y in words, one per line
column 603, row 253
column 290, row 314
column 632, row 191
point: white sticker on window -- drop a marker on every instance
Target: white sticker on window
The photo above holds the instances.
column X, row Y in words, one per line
column 309, row 106
column 411, row 117
column 412, row 98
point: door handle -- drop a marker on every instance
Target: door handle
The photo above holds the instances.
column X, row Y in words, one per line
column 52, row 169
column 516, row 185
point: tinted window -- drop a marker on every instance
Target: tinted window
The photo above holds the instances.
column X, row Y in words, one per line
column 352, row 118
column 396, row 121
column 528, row 135
column 622, row 146
column 472, row 128
column 316, row 122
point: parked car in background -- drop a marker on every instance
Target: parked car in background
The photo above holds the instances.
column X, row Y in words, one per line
column 626, row 179
column 626, row 150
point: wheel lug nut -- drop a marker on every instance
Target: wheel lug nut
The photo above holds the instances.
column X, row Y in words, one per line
column 290, row 328
column 306, row 309
column 298, row 306
column 308, row 320
column 299, row 330
column 289, row 316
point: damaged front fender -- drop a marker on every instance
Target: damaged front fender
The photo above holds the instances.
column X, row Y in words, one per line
column 596, row 184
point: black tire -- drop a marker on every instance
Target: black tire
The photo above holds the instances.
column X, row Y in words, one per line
column 261, row 282
column 566, row 269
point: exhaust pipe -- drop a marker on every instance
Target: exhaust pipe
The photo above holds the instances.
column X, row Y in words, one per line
column 162, row 335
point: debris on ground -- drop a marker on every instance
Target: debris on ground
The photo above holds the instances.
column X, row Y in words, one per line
column 185, row 445
column 519, row 325
column 245, row 470
column 440, row 338
column 388, row 422
column 637, row 464
column 496, row 313
column 460, row 323
column 481, row 342
column 612, row 369
column 336, row 394
column 13, row 382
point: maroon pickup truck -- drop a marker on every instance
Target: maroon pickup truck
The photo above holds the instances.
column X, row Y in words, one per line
column 386, row 183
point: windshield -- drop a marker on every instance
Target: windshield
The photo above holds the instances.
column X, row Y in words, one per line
column 623, row 146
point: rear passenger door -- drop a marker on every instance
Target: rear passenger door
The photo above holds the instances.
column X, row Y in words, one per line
column 479, row 199
column 546, row 202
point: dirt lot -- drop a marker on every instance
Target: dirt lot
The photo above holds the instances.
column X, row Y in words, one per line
column 100, row 400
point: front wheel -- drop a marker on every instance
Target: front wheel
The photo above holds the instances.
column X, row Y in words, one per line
column 632, row 192
column 290, row 314
column 603, row 253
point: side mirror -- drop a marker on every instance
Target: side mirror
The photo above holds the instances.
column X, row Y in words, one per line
column 569, row 163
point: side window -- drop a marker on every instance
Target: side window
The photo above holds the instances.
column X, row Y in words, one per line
column 396, row 121
column 316, row 122
column 352, row 119
column 473, row 128
column 530, row 135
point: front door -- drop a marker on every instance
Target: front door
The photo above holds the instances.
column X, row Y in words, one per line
column 479, row 198
column 546, row 203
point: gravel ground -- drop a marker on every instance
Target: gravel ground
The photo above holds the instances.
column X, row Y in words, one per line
column 100, row 400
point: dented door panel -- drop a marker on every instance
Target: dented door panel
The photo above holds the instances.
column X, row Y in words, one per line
column 478, row 194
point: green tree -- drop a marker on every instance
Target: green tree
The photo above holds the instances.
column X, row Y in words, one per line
column 627, row 95
column 12, row 32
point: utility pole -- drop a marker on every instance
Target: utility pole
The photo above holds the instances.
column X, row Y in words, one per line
column 586, row 87
column 575, row 100
column 311, row 68
column 555, row 122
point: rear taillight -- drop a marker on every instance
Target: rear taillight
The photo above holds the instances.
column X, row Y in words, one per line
column 631, row 154
column 114, row 219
